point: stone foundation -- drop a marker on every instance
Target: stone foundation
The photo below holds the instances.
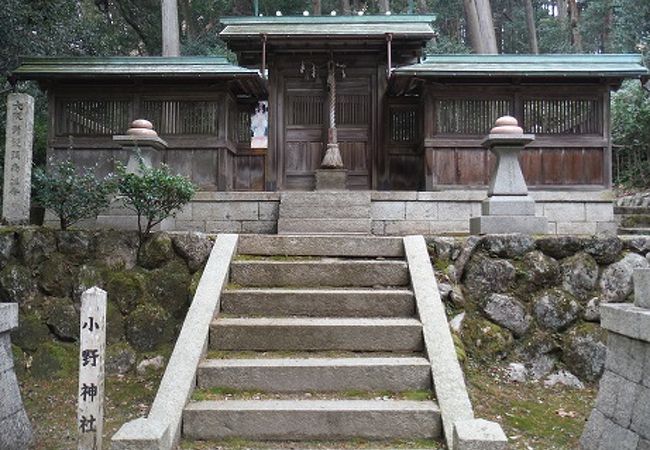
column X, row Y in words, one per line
column 393, row 213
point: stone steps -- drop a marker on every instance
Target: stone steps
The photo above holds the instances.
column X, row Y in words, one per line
column 317, row 374
column 273, row 334
column 312, row 419
column 347, row 246
column 634, row 231
column 323, row 272
column 635, row 221
column 319, row 302
column 386, row 444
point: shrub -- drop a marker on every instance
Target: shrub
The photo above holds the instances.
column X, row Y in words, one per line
column 71, row 194
column 154, row 194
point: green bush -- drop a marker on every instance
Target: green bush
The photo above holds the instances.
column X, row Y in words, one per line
column 154, row 194
column 70, row 194
column 631, row 135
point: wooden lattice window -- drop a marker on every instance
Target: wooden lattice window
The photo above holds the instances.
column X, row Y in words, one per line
column 563, row 116
column 178, row 117
column 470, row 116
column 86, row 117
column 403, row 125
column 352, row 110
column 305, row 110
column 243, row 127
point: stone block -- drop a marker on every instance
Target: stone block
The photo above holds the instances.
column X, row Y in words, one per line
column 508, row 224
column 6, row 356
column 523, row 205
column 421, row 210
column 259, row 226
column 235, row 211
column 10, row 401
column 405, row 227
column 269, row 210
column 599, row 212
column 8, row 316
column 203, row 211
column 331, row 179
column 324, row 199
column 190, row 225
column 323, row 226
column 587, row 228
column 606, row 227
column 449, row 226
column 626, row 319
column 327, row 212
column 222, row 226
column 479, row 434
column 641, row 413
column 454, row 210
column 615, row 437
column 15, row 431
column 353, row 246
column 625, row 357
column 378, row 228
column 616, row 398
column 393, row 196
column 565, row 212
column 388, row 211
column 641, row 279
column 644, row 444
column 185, row 212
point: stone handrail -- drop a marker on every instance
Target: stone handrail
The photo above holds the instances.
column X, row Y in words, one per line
column 161, row 430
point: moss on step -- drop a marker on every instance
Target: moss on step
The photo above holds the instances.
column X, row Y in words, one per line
column 222, row 393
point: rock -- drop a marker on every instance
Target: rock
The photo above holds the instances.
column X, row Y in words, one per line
column 592, row 310
column 539, row 352
column 194, row 283
column 147, row 327
column 456, row 323
column 31, row 332
column 115, row 331
column 117, row 249
column 55, row 360
column 559, row 247
column 637, row 244
column 76, row 245
column 126, row 289
column 579, row 275
column 169, row 286
column 540, row 270
column 456, row 296
column 445, row 291
column 120, row 358
column 604, row 248
column 464, row 256
column 616, row 280
column 62, row 318
column 36, row 244
column 16, row 284
column 507, row 312
column 156, row 363
column 585, row 351
column 541, row 366
column 87, row 277
column 564, row 378
column 485, row 275
column 56, row 276
column 555, row 310
column 8, row 247
column 517, row 373
column 485, row 340
column 507, row 245
column 156, row 251
column 194, row 248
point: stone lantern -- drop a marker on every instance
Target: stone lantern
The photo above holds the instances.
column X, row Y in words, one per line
column 141, row 141
column 509, row 208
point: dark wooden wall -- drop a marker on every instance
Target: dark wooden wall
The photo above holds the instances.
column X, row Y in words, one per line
column 570, row 122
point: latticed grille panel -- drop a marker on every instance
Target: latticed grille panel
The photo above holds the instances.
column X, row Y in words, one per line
column 563, row 116
column 305, row 110
column 403, row 126
column 92, row 117
column 174, row 117
column 470, row 116
column 352, row 110
column 243, row 127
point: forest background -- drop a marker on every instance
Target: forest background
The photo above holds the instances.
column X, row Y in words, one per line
column 133, row 27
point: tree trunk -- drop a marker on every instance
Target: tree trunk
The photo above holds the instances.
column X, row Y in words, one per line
column 345, row 6
column 486, row 25
column 574, row 14
column 316, row 7
column 170, row 30
column 422, row 7
column 473, row 28
column 562, row 12
column 384, row 6
column 186, row 14
column 532, row 28
column 607, row 28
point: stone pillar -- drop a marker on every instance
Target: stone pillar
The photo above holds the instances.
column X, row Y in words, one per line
column 15, row 429
column 621, row 418
column 141, row 141
column 508, row 208
column 18, row 159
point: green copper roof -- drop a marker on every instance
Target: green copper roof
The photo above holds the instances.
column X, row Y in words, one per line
column 353, row 26
column 551, row 65
column 130, row 67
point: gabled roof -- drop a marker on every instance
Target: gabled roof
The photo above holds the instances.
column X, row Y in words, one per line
column 549, row 65
column 140, row 67
column 417, row 27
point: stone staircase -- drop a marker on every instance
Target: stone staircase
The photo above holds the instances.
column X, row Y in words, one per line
column 317, row 339
column 633, row 219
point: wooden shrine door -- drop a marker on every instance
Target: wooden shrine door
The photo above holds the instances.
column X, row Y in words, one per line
column 306, row 121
